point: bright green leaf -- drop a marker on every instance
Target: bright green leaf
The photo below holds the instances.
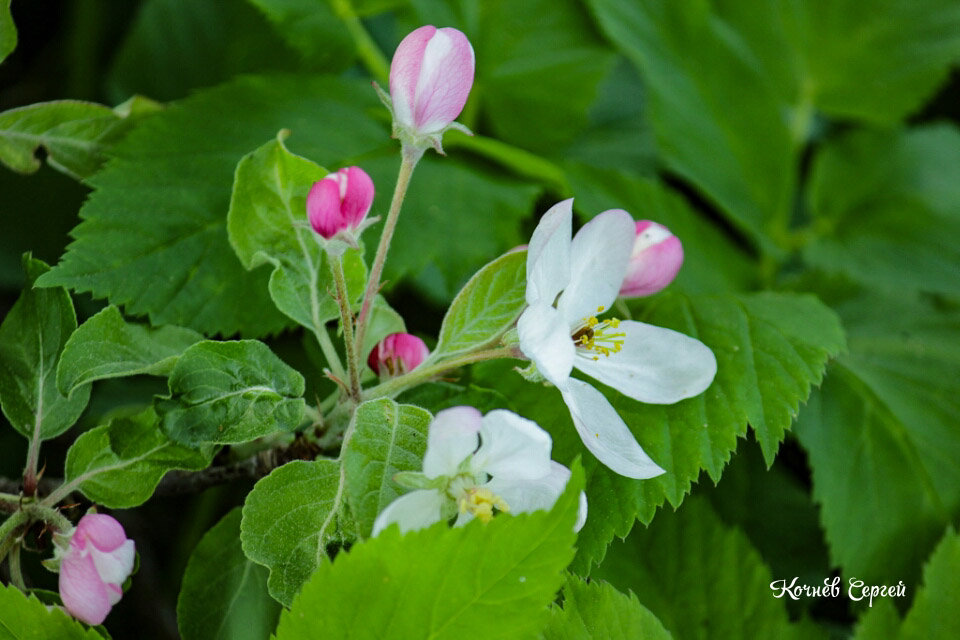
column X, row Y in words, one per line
column 230, row 392
column 486, row 306
column 119, row 464
column 289, row 518
column 224, row 595
column 32, row 337
column 934, row 613
column 24, row 617
column 491, row 580
column 387, row 438
column 8, row 30
column 597, row 610
column 106, row 346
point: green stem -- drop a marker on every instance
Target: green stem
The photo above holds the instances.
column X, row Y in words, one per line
column 346, row 320
column 424, row 372
column 329, row 352
column 16, row 573
column 368, row 51
column 409, row 160
column 7, row 530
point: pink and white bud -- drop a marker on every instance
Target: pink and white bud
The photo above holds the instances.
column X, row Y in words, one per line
column 94, row 566
column 430, row 79
column 654, row 262
column 340, row 201
column 396, row 354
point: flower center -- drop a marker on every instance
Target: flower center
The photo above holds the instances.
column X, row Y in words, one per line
column 481, row 503
column 599, row 337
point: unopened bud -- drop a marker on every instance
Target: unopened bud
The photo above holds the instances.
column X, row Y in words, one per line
column 396, row 354
column 655, row 260
column 340, row 201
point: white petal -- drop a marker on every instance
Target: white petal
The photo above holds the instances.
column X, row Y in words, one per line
column 512, row 448
column 452, row 436
column 599, row 256
column 548, row 256
column 655, row 365
column 545, row 339
column 114, row 566
column 604, row 432
column 410, row 511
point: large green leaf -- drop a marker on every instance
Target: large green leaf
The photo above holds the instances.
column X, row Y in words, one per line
column 597, row 610
column 8, row 30
column 224, row 595
column 882, row 436
column 32, row 337
column 119, row 464
column 889, row 199
column 700, row 578
column 106, row 346
column 74, row 135
column 230, row 392
column 24, row 617
column 490, row 580
column 289, row 518
column 486, row 307
column 312, row 29
column 387, row 438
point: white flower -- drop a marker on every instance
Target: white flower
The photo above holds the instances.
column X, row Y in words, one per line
column 569, row 283
column 477, row 464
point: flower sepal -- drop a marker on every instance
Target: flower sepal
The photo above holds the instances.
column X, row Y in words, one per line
column 417, row 480
column 530, row 373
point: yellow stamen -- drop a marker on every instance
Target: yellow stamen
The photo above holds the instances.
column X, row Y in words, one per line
column 481, row 503
column 595, row 335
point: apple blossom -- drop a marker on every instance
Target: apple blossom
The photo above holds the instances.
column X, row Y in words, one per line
column 396, row 354
column 654, row 261
column 94, row 565
column 339, row 203
column 475, row 466
column 570, row 283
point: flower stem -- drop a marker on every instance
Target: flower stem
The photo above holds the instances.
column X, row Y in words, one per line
column 346, row 320
column 7, row 529
column 410, row 157
column 16, row 574
column 330, row 352
column 368, row 51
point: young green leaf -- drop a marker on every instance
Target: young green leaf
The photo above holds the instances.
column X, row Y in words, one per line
column 387, row 438
column 224, row 595
column 119, row 464
column 32, row 337
column 107, row 346
column 486, row 306
column 289, row 518
column 598, row 610
column 24, row 617
column 490, row 580
column 230, row 392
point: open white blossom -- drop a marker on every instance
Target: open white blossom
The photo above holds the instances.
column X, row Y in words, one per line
column 475, row 466
column 569, row 284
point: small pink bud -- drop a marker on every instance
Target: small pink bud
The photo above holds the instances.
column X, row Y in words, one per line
column 94, row 566
column 340, row 201
column 396, row 354
column 430, row 78
column 655, row 260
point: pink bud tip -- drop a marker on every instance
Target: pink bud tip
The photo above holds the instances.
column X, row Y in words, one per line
column 340, row 201
column 396, row 354
column 94, row 566
column 655, row 260
column 430, row 79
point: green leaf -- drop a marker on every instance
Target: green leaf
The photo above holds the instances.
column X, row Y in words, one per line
column 160, row 206
column 32, row 337
column 387, row 438
column 597, row 610
column 73, row 134
column 311, row 28
column 888, row 199
column 24, row 617
column 230, row 392
column 289, row 518
column 267, row 224
column 719, row 121
column 224, row 595
column 699, row 577
column 119, row 464
column 106, row 346
column 486, row 306
column 890, row 404
column 491, row 580
column 8, row 31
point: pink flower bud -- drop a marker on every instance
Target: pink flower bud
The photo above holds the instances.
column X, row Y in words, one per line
column 94, row 566
column 655, row 260
column 396, row 354
column 430, row 79
column 340, row 201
